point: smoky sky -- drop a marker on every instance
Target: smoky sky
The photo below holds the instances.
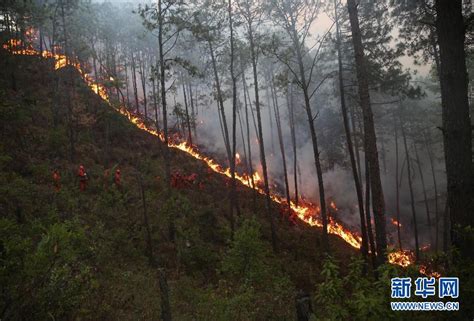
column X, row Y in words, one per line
column 338, row 180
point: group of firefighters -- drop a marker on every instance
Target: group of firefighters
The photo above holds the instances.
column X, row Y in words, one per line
column 178, row 181
column 84, row 178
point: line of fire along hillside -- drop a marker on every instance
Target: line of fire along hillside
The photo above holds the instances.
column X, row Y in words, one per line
column 308, row 213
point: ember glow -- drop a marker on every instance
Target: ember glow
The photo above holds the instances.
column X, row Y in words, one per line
column 424, row 270
column 402, row 257
column 306, row 211
column 395, row 222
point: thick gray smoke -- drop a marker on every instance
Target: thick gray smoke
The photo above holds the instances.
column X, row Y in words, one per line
column 338, row 178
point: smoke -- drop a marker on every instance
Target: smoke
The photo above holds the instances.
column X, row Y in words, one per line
column 337, row 176
column 338, row 179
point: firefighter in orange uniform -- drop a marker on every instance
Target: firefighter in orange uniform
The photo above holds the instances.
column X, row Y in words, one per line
column 176, row 180
column 56, row 180
column 82, row 174
column 117, row 178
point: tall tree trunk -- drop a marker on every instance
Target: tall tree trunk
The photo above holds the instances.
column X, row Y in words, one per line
column 126, row 82
column 457, row 131
column 410, row 186
column 220, row 103
column 158, row 98
column 270, row 119
column 291, row 112
column 254, row 121
column 356, row 134
column 155, row 103
column 233, row 191
column 425, row 197
column 378, row 202
column 276, row 110
column 164, row 291
column 368, row 216
column 261, row 143
column 188, row 120
column 142, row 73
column 314, row 140
column 397, row 179
column 242, row 136
column 134, row 83
column 435, row 186
column 249, row 143
column 163, row 95
column 360, row 199
column 220, row 124
column 193, row 112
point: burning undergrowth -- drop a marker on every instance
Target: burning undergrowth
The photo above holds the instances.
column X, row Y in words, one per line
column 305, row 211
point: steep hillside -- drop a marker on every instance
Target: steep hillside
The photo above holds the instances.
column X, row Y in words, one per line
column 72, row 254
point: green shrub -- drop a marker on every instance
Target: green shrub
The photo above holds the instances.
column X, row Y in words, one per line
column 44, row 275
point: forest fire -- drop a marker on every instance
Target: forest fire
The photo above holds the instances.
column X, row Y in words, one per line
column 16, row 47
column 306, row 211
column 402, row 257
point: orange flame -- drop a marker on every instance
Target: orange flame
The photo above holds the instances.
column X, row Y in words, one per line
column 424, row 270
column 403, row 258
column 307, row 212
column 395, row 222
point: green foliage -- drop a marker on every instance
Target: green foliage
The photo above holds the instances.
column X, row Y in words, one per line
column 358, row 295
column 196, row 249
column 252, row 288
column 15, row 114
column 245, row 259
column 329, row 293
column 15, row 196
column 57, row 140
column 177, row 206
column 462, row 267
column 113, row 125
column 44, row 269
column 369, row 297
column 81, row 255
column 5, row 160
column 255, row 286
